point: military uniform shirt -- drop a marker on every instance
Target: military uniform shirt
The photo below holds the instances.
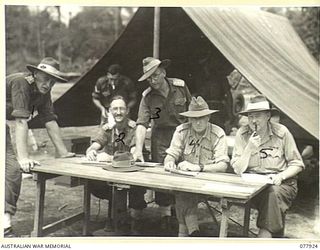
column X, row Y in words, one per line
column 111, row 139
column 23, row 100
column 211, row 148
column 276, row 153
column 104, row 92
column 164, row 110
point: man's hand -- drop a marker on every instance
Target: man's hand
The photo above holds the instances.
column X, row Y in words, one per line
column 103, row 112
column 137, row 155
column 254, row 141
column 104, row 157
column 68, row 155
column 187, row 166
column 27, row 164
column 277, row 179
column 91, row 155
column 170, row 165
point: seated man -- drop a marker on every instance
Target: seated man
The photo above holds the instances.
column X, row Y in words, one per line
column 119, row 138
column 198, row 146
column 268, row 148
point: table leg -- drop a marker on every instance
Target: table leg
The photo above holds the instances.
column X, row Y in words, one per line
column 246, row 220
column 119, row 206
column 224, row 218
column 39, row 205
column 86, row 207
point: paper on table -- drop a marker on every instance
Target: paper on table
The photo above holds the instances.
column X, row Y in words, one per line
column 257, row 178
column 147, row 164
column 188, row 173
column 85, row 161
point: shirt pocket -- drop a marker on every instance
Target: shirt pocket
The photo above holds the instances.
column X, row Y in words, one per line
column 180, row 104
column 254, row 160
column 272, row 157
column 189, row 149
column 207, row 154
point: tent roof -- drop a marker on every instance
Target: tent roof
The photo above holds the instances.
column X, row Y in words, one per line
column 268, row 52
column 262, row 46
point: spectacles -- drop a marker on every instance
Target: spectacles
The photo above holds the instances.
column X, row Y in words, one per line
column 122, row 109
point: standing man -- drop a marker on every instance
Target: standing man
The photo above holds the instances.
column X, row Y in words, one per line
column 28, row 93
column 109, row 86
column 119, row 138
column 265, row 147
column 197, row 146
column 161, row 102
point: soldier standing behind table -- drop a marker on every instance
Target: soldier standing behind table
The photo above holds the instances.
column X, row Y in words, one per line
column 161, row 102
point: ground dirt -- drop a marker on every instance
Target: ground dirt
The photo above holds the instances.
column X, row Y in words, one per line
column 62, row 201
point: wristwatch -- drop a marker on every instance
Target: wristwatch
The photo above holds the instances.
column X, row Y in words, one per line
column 201, row 167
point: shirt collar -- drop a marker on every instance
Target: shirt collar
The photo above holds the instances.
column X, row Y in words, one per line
column 155, row 92
column 194, row 135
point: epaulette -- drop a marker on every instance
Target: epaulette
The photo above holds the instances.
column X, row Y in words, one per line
column 278, row 129
column 131, row 124
column 147, row 91
column 177, row 82
column 183, row 126
column 29, row 79
column 219, row 132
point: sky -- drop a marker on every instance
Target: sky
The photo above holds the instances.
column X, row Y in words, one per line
column 67, row 11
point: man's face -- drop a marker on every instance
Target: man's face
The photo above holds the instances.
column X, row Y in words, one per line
column 44, row 82
column 156, row 79
column 113, row 78
column 258, row 120
column 199, row 124
column 119, row 110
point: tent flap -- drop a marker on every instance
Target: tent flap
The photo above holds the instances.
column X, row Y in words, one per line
column 267, row 51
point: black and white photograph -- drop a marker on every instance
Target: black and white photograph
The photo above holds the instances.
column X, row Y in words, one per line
column 162, row 122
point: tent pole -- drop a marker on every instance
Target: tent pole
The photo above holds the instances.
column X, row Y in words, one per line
column 156, row 32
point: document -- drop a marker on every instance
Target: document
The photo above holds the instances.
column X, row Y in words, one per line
column 257, row 178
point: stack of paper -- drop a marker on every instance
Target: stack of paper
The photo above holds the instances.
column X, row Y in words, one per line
column 257, row 178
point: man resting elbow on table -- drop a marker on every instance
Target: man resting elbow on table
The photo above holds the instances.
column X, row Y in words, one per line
column 198, row 146
column 120, row 137
column 265, row 147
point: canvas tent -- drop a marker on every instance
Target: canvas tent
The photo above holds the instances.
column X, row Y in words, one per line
column 262, row 46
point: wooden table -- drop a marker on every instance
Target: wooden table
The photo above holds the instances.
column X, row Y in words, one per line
column 228, row 188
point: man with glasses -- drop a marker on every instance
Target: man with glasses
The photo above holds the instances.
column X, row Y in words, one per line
column 26, row 95
column 161, row 103
column 119, row 138
column 108, row 86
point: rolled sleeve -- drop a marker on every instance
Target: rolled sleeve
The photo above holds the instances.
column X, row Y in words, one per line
column 292, row 154
column 101, row 138
column 20, row 92
column 221, row 150
column 144, row 113
column 176, row 145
